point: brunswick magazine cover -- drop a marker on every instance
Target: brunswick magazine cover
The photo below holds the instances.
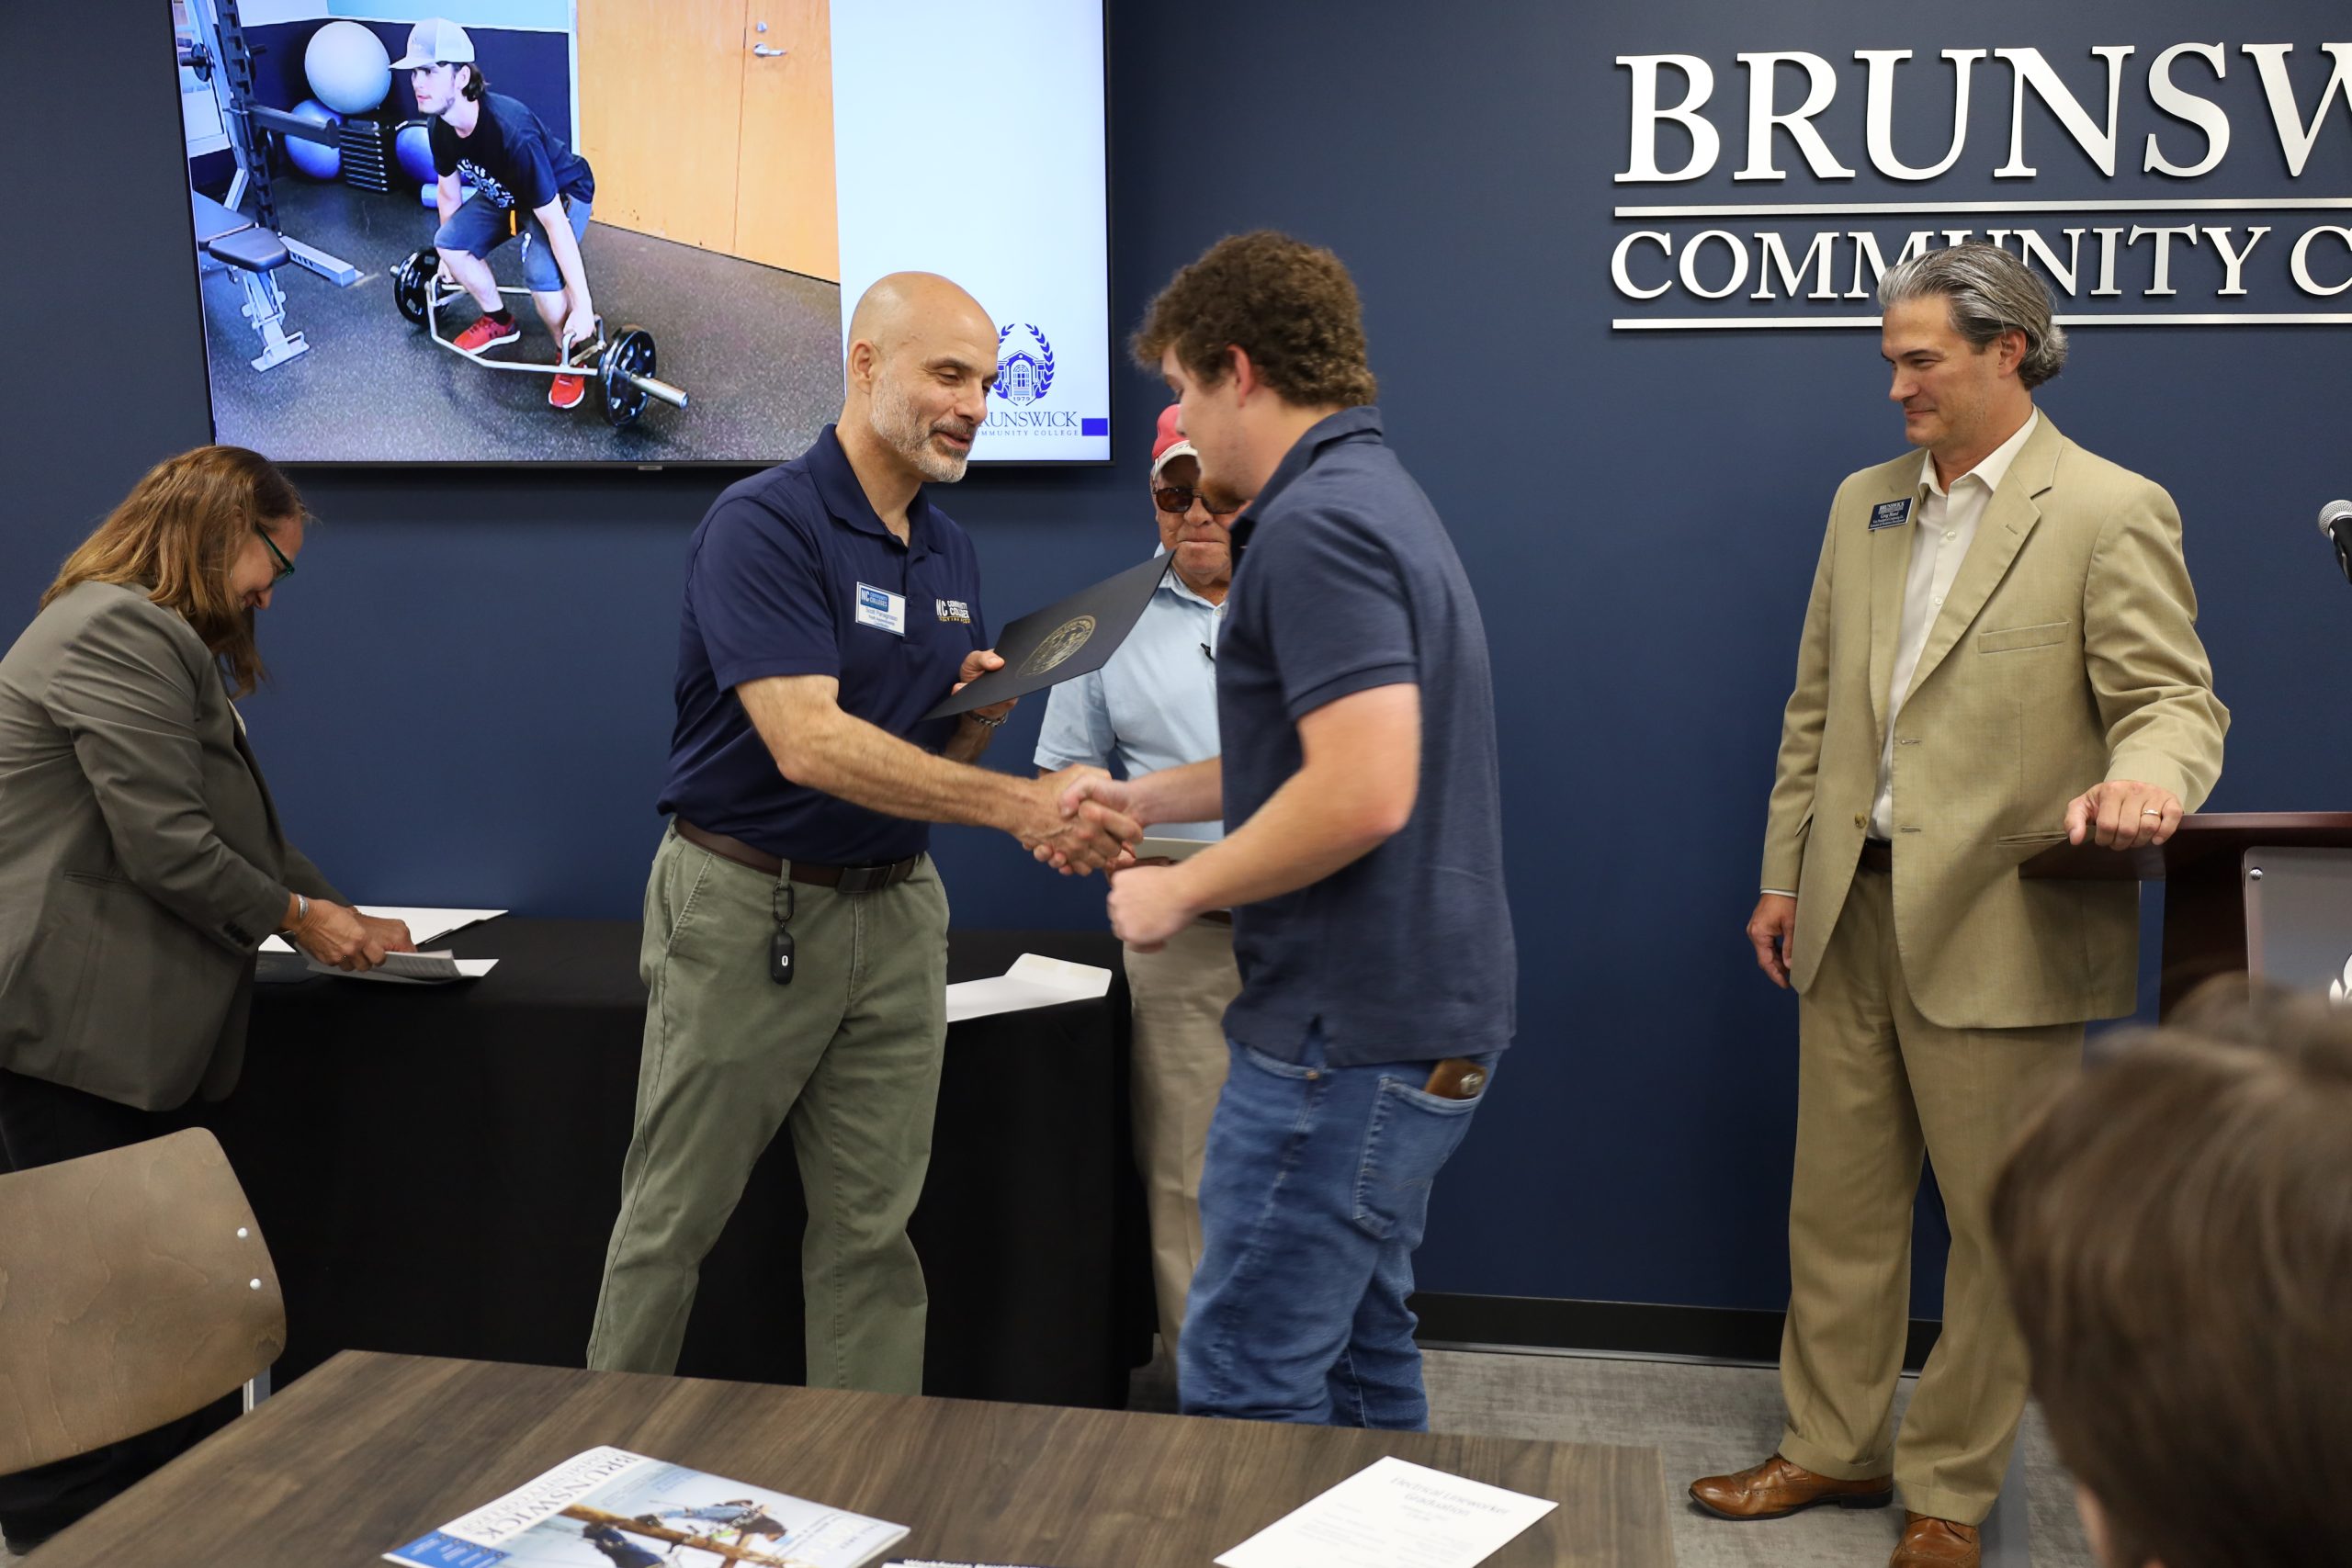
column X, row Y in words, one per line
column 610, row 1508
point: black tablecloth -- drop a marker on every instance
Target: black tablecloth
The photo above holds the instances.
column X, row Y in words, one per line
column 436, row 1172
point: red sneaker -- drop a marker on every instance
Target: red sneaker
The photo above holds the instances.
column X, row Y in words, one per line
column 485, row 334
column 567, row 391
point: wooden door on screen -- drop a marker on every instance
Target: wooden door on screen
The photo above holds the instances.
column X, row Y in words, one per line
column 660, row 115
column 710, row 123
column 784, row 193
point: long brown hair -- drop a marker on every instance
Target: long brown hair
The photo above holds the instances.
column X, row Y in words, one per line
column 176, row 534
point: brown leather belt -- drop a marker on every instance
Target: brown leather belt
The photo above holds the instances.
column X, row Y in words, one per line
column 1877, row 855
column 846, row 878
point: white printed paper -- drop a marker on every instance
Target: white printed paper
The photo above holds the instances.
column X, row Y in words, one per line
column 416, row 969
column 1033, row 981
column 423, row 925
column 1393, row 1515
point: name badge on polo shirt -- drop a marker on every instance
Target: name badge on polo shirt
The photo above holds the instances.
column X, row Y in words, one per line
column 881, row 608
column 1890, row 515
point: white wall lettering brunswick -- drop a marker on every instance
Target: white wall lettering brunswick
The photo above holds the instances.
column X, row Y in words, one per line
column 2226, row 234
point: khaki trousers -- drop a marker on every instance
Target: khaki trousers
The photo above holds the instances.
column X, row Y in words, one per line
column 848, row 1054
column 1179, row 995
column 1876, row 1084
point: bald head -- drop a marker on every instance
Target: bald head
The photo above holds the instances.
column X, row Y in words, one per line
column 921, row 358
column 903, row 304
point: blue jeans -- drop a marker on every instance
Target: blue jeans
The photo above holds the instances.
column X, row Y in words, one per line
column 1313, row 1198
column 479, row 227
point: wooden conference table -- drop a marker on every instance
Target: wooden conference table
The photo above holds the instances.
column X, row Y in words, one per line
column 372, row 1451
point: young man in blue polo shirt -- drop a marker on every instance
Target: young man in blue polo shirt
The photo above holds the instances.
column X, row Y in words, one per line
column 1365, row 860
column 795, row 931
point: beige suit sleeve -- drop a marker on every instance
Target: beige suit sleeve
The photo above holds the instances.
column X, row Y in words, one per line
column 1790, row 812
column 2146, row 665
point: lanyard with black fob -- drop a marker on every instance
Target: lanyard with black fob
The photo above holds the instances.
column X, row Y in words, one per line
column 780, row 946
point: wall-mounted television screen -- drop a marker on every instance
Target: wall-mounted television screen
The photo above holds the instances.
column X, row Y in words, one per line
column 397, row 214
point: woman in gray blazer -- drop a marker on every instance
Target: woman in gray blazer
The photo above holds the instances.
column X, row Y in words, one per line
column 142, row 861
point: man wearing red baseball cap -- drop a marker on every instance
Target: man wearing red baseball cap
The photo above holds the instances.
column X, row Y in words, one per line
column 1153, row 706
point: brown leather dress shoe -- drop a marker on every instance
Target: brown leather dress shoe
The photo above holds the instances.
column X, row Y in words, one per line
column 1936, row 1544
column 1776, row 1488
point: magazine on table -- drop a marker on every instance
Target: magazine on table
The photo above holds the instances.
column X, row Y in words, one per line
column 610, row 1508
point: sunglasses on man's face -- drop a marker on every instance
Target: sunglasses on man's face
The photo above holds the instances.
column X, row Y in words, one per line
column 1179, row 499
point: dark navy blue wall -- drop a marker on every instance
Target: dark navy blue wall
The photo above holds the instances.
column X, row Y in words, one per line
column 473, row 695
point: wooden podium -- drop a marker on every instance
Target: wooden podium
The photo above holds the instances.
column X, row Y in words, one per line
column 2263, row 892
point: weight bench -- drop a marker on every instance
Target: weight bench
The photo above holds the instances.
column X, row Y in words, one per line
column 252, row 253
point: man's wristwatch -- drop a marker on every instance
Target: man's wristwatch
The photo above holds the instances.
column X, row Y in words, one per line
column 302, row 913
column 978, row 717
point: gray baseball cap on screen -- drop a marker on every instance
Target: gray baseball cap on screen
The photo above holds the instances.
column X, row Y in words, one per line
column 434, row 40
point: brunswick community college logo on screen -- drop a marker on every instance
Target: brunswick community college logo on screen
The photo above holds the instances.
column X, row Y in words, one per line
column 1025, row 376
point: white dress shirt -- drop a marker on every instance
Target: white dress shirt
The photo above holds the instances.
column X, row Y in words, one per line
column 1944, row 527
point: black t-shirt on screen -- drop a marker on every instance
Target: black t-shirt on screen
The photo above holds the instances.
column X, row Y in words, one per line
column 511, row 158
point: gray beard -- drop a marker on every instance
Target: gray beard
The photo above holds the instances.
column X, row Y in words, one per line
column 901, row 428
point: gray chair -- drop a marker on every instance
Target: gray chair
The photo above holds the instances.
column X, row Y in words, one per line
column 134, row 1290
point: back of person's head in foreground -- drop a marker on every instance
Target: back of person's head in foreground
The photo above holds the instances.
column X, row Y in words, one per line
column 2176, row 1229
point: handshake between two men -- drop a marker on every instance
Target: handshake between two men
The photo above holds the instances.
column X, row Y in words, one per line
column 1049, row 816
column 1075, row 833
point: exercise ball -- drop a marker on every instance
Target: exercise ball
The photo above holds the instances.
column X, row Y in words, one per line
column 414, row 146
column 347, row 67
column 316, row 158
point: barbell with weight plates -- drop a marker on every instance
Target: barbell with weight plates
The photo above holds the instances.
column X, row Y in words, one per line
column 625, row 375
column 411, row 282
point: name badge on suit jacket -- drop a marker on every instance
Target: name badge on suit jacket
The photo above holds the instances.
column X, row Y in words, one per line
column 1890, row 515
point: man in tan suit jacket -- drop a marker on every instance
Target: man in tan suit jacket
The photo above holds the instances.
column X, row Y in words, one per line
column 2000, row 645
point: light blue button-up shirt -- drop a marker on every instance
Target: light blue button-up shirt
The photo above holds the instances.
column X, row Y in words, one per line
column 1153, row 706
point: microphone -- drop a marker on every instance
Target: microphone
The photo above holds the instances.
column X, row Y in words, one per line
column 2336, row 526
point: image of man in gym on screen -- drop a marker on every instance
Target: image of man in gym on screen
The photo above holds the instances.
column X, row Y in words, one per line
column 507, row 152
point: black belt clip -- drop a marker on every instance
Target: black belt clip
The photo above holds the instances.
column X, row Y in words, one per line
column 780, row 945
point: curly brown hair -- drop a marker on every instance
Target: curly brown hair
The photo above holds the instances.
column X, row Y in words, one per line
column 1290, row 305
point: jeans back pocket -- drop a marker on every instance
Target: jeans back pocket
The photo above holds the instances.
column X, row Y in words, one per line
column 1408, row 1139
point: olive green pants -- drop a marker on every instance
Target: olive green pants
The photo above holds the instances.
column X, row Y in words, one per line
column 848, row 1055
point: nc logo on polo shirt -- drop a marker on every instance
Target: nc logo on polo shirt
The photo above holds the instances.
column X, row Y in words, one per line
column 955, row 609
column 1890, row 515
